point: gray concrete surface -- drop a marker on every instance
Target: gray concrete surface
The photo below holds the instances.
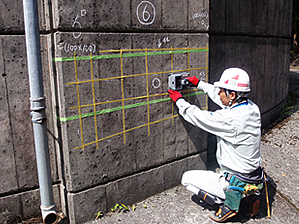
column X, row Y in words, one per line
column 235, row 41
column 279, row 151
column 128, row 15
column 17, row 154
column 123, row 160
column 141, row 150
column 254, row 17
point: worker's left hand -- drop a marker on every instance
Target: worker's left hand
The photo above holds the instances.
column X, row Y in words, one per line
column 174, row 95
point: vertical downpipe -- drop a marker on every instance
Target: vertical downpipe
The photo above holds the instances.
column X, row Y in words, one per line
column 37, row 107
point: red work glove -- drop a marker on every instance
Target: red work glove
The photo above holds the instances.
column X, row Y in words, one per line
column 174, row 95
column 193, row 80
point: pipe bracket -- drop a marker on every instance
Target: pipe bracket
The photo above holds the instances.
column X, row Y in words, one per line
column 37, row 103
column 37, row 107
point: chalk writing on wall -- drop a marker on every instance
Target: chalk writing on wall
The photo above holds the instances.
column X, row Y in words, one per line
column 146, row 13
column 203, row 16
column 84, row 48
column 156, row 83
column 77, row 24
column 165, row 40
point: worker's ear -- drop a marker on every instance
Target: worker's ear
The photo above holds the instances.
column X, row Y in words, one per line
column 232, row 96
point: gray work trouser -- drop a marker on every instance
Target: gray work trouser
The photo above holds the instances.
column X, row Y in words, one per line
column 209, row 181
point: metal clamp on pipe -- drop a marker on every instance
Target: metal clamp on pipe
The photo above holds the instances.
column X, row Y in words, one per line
column 37, row 103
column 37, row 107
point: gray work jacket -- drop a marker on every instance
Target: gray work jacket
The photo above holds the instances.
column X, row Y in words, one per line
column 238, row 130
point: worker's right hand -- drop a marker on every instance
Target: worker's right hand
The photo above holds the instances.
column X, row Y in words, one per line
column 193, row 80
column 174, row 95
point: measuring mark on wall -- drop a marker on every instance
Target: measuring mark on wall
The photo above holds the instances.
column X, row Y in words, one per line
column 156, row 83
column 77, row 24
column 78, row 98
column 202, row 76
column 203, row 15
column 165, row 40
column 146, row 13
column 83, row 12
column 164, row 51
column 128, row 106
column 204, row 18
column 85, row 48
column 203, row 23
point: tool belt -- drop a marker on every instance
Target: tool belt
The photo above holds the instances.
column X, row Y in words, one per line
column 241, row 186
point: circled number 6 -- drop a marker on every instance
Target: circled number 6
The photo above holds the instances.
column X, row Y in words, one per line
column 148, row 13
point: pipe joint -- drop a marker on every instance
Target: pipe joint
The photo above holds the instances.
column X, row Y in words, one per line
column 37, row 118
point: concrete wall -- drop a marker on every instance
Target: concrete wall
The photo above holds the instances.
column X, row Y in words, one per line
column 121, row 158
column 142, row 147
column 113, row 135
column 19, row 194
column 256, row 36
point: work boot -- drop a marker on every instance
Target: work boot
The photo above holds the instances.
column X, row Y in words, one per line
column 209, row 198
column 223, row 214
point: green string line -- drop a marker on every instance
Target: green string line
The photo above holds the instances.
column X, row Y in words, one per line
column 105, row 111
column 127, row 55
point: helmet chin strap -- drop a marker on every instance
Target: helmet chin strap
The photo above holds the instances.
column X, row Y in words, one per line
column 227, row 95
column 238, row 94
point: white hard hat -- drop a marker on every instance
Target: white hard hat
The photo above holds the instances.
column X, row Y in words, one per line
column 235, row 79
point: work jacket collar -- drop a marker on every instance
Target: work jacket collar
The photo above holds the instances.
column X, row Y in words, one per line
column 241, row 103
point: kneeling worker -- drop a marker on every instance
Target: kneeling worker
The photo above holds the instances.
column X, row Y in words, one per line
column 238, row 129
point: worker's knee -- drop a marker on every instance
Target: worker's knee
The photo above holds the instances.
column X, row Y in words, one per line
column 185, row 178
column 193, row 177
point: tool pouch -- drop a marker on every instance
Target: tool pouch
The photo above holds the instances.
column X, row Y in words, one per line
column 253, row 206
column 250, row 205
column 237, row 189
column 233, row 197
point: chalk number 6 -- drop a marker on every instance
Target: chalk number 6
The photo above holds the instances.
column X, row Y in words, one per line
column 148, row 9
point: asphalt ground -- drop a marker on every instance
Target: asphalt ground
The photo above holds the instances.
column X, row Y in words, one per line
column 280, row 154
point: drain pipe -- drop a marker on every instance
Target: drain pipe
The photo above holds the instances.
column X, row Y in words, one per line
column 37, row 107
